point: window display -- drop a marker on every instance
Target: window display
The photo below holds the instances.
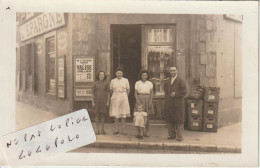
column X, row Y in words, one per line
column 160, row 53
column 159, row 59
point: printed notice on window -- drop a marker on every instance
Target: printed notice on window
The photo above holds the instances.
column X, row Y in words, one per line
column 49, row 138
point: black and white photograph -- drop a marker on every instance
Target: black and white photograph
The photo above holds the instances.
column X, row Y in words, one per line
column 169, row 83
column 152, row 83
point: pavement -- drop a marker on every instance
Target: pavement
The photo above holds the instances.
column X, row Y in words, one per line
column 226, row 140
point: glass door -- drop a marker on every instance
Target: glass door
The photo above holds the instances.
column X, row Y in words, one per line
column 158, row 53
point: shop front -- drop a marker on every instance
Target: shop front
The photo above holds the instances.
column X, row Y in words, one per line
column 65, row 57
column 135, row 42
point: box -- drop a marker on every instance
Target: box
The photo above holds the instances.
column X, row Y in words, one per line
column 194, row 108
column 211, row 94
column 195, row 123
column 210, row 124
column 210, row 110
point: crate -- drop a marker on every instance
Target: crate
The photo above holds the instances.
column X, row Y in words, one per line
column 195, row 124
column 210, row 124
column 194, row 108
column 210, row 110
column 211, row 94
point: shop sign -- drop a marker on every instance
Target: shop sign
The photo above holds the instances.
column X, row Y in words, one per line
column 84, row 92
column 41, row 24
column 61, row 92
column 61, row 70
column 84, row 70
column 62, row 40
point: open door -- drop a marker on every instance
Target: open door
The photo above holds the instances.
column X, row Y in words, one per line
column 126, row 51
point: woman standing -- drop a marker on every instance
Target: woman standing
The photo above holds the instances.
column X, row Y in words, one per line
column 100, row 101
column 144, row 95
column 119, row 108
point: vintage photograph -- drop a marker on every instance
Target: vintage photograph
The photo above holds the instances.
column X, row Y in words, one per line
column 152, row 83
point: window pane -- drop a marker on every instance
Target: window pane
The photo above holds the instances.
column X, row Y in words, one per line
column 159, row 59
column 51, row 68
column 29, row 59
column 51, row 75
column 50, row 45
column 160, row 35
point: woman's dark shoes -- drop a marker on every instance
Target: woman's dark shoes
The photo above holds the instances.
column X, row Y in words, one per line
column 98, row 132
column 115, row 133
column 103, row 132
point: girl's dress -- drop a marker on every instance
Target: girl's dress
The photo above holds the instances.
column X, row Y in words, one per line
column 100, row 93
column 139, row 119
column 119, row 107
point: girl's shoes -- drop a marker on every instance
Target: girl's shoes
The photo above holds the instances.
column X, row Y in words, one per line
column 139, row 137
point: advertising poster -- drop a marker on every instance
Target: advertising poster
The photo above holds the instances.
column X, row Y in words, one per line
column 84, row 70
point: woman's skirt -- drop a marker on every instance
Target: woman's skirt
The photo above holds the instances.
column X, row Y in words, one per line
column 145, row 101
column 119, row 107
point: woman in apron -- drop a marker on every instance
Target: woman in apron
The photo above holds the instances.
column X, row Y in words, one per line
column 119, row 107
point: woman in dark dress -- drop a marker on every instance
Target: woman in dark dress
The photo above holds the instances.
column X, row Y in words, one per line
column 100, row 101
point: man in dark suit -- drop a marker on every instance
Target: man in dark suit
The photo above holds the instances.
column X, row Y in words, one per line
column 175, row 90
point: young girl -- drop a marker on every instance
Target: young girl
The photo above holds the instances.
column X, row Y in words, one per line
column 140, row 119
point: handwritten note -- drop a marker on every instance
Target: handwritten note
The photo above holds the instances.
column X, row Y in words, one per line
column 58, row 135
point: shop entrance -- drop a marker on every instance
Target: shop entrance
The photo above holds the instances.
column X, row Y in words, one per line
column 126, row 51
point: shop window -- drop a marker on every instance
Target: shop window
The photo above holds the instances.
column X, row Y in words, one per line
column 26, row 66
column 159, row 53
column 28, row 58
column 23, row 67
column 50, row 65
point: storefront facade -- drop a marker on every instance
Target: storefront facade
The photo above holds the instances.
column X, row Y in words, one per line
column 58, row 55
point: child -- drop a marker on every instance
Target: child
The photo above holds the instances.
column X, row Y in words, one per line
column 140, row 119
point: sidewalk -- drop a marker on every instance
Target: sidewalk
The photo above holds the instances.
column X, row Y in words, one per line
column 227, row 139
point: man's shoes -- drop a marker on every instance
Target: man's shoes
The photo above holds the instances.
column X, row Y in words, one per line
column 170, row 137
column 179, row 139
column 115, row 133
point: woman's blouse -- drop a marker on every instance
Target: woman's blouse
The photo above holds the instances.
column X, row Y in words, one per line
column 143, row 87
column 119, row 85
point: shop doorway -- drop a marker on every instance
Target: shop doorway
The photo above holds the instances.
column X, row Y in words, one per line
column 126, row 52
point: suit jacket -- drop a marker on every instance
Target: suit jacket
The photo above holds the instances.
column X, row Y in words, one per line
column 174, row 106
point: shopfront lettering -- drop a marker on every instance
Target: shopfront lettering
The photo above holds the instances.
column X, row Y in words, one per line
column 41, row 24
